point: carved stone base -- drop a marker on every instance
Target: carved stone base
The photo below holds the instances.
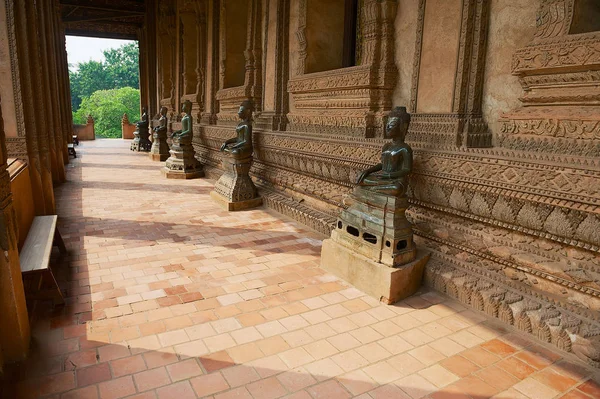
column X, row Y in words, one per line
column 235, row 185
column 160, row 149
column 135, row 143
column 375, row 226
column 158, row 157
column 386, row 284
column 179, row 174
column 235, row 206
column 182, row 163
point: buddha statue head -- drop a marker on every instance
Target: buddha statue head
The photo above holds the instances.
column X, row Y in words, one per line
column 246, row 109
column 397, row 124
column 163, row 111
column 186, row 107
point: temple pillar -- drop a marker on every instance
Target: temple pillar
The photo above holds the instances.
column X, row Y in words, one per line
column 48, row 55
column 45, row 145
column 39, row 167
column 15, row 333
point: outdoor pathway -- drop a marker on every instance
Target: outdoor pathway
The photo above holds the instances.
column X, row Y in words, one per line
column 171, row 297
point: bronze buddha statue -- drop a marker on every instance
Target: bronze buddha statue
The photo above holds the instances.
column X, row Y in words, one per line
column 240, row 147
column 162, row 123
column 185, row 135
column 390, row 177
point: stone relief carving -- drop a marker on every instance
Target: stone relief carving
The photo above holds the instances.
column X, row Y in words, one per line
column 357, row 99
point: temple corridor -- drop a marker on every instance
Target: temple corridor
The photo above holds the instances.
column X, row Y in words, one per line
column 168, row 296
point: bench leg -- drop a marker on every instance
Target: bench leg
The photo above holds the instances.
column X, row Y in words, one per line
column 53, row 292
column 59, row 241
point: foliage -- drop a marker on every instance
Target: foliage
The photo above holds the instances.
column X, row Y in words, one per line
column 120, row 69
column 107, row 108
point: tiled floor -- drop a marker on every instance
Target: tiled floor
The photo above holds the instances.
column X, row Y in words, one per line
column 171, row 297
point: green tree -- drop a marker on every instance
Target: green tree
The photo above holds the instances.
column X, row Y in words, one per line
column 122, row 65
column 120, row 69
column 107, row 108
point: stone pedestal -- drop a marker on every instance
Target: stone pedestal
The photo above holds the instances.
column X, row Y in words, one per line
column 235, row 191
column 135, row 143
column 384, row 283
column 145, row 143
column 182, row 163
column 160, row 149
column 372, row 247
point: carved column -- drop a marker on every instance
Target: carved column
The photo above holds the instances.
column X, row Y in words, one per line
column 276, row 103
column 48, row 54
column 38, row 165
column 65, row 88
column 45, row 144
column 15, row 332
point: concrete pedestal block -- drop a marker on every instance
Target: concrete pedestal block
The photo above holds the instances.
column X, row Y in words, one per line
column 235, row 191
column 160, row 149
column 384, row 283
column 182, row 164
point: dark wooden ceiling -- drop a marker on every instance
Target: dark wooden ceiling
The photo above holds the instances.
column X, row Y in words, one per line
column 116, row 19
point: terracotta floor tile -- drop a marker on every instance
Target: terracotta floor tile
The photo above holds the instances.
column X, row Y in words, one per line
column 180, row 390
column 382, row 372
column 117, row 388
column 497, row 377
column 93, row 375
column 590, row 387
column 216, row 361
column 328, row 389
column 475, row 387
column 240, row 375
column 480, row 356
column 272, row 345
column 268, row 388
column 388, row 392
column 151, row 379
column 56, row 383
column 536, row 357
column 516, row 367
column 295, row 380
column 268, row 366
column 438, row 376
column 535, row 389
column 209, row 384
column 427, row 355
column 357, row 382
column 90, row 392
column 415, row 386
column 296, row 357
column 324, row 369
column 245, row 353
column 554, row 380
column 350, row 360
column 184, row 370
column 128, row 365
column 499, row 348
column 159, row 358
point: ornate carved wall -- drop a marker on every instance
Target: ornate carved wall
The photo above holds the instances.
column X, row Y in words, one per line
column 508, row 207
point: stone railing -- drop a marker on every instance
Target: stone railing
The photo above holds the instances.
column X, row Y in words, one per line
column 127, row 128
column 85, row 132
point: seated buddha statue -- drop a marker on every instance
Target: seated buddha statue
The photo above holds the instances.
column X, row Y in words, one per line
column 161, row 127
column 185, row 135
column 390, row 177
column 240, row 147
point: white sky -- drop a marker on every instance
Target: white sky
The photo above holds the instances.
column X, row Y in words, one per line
column 81, row 49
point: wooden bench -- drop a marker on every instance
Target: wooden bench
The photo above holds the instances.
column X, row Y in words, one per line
column 71, row 148
column 35, row 258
